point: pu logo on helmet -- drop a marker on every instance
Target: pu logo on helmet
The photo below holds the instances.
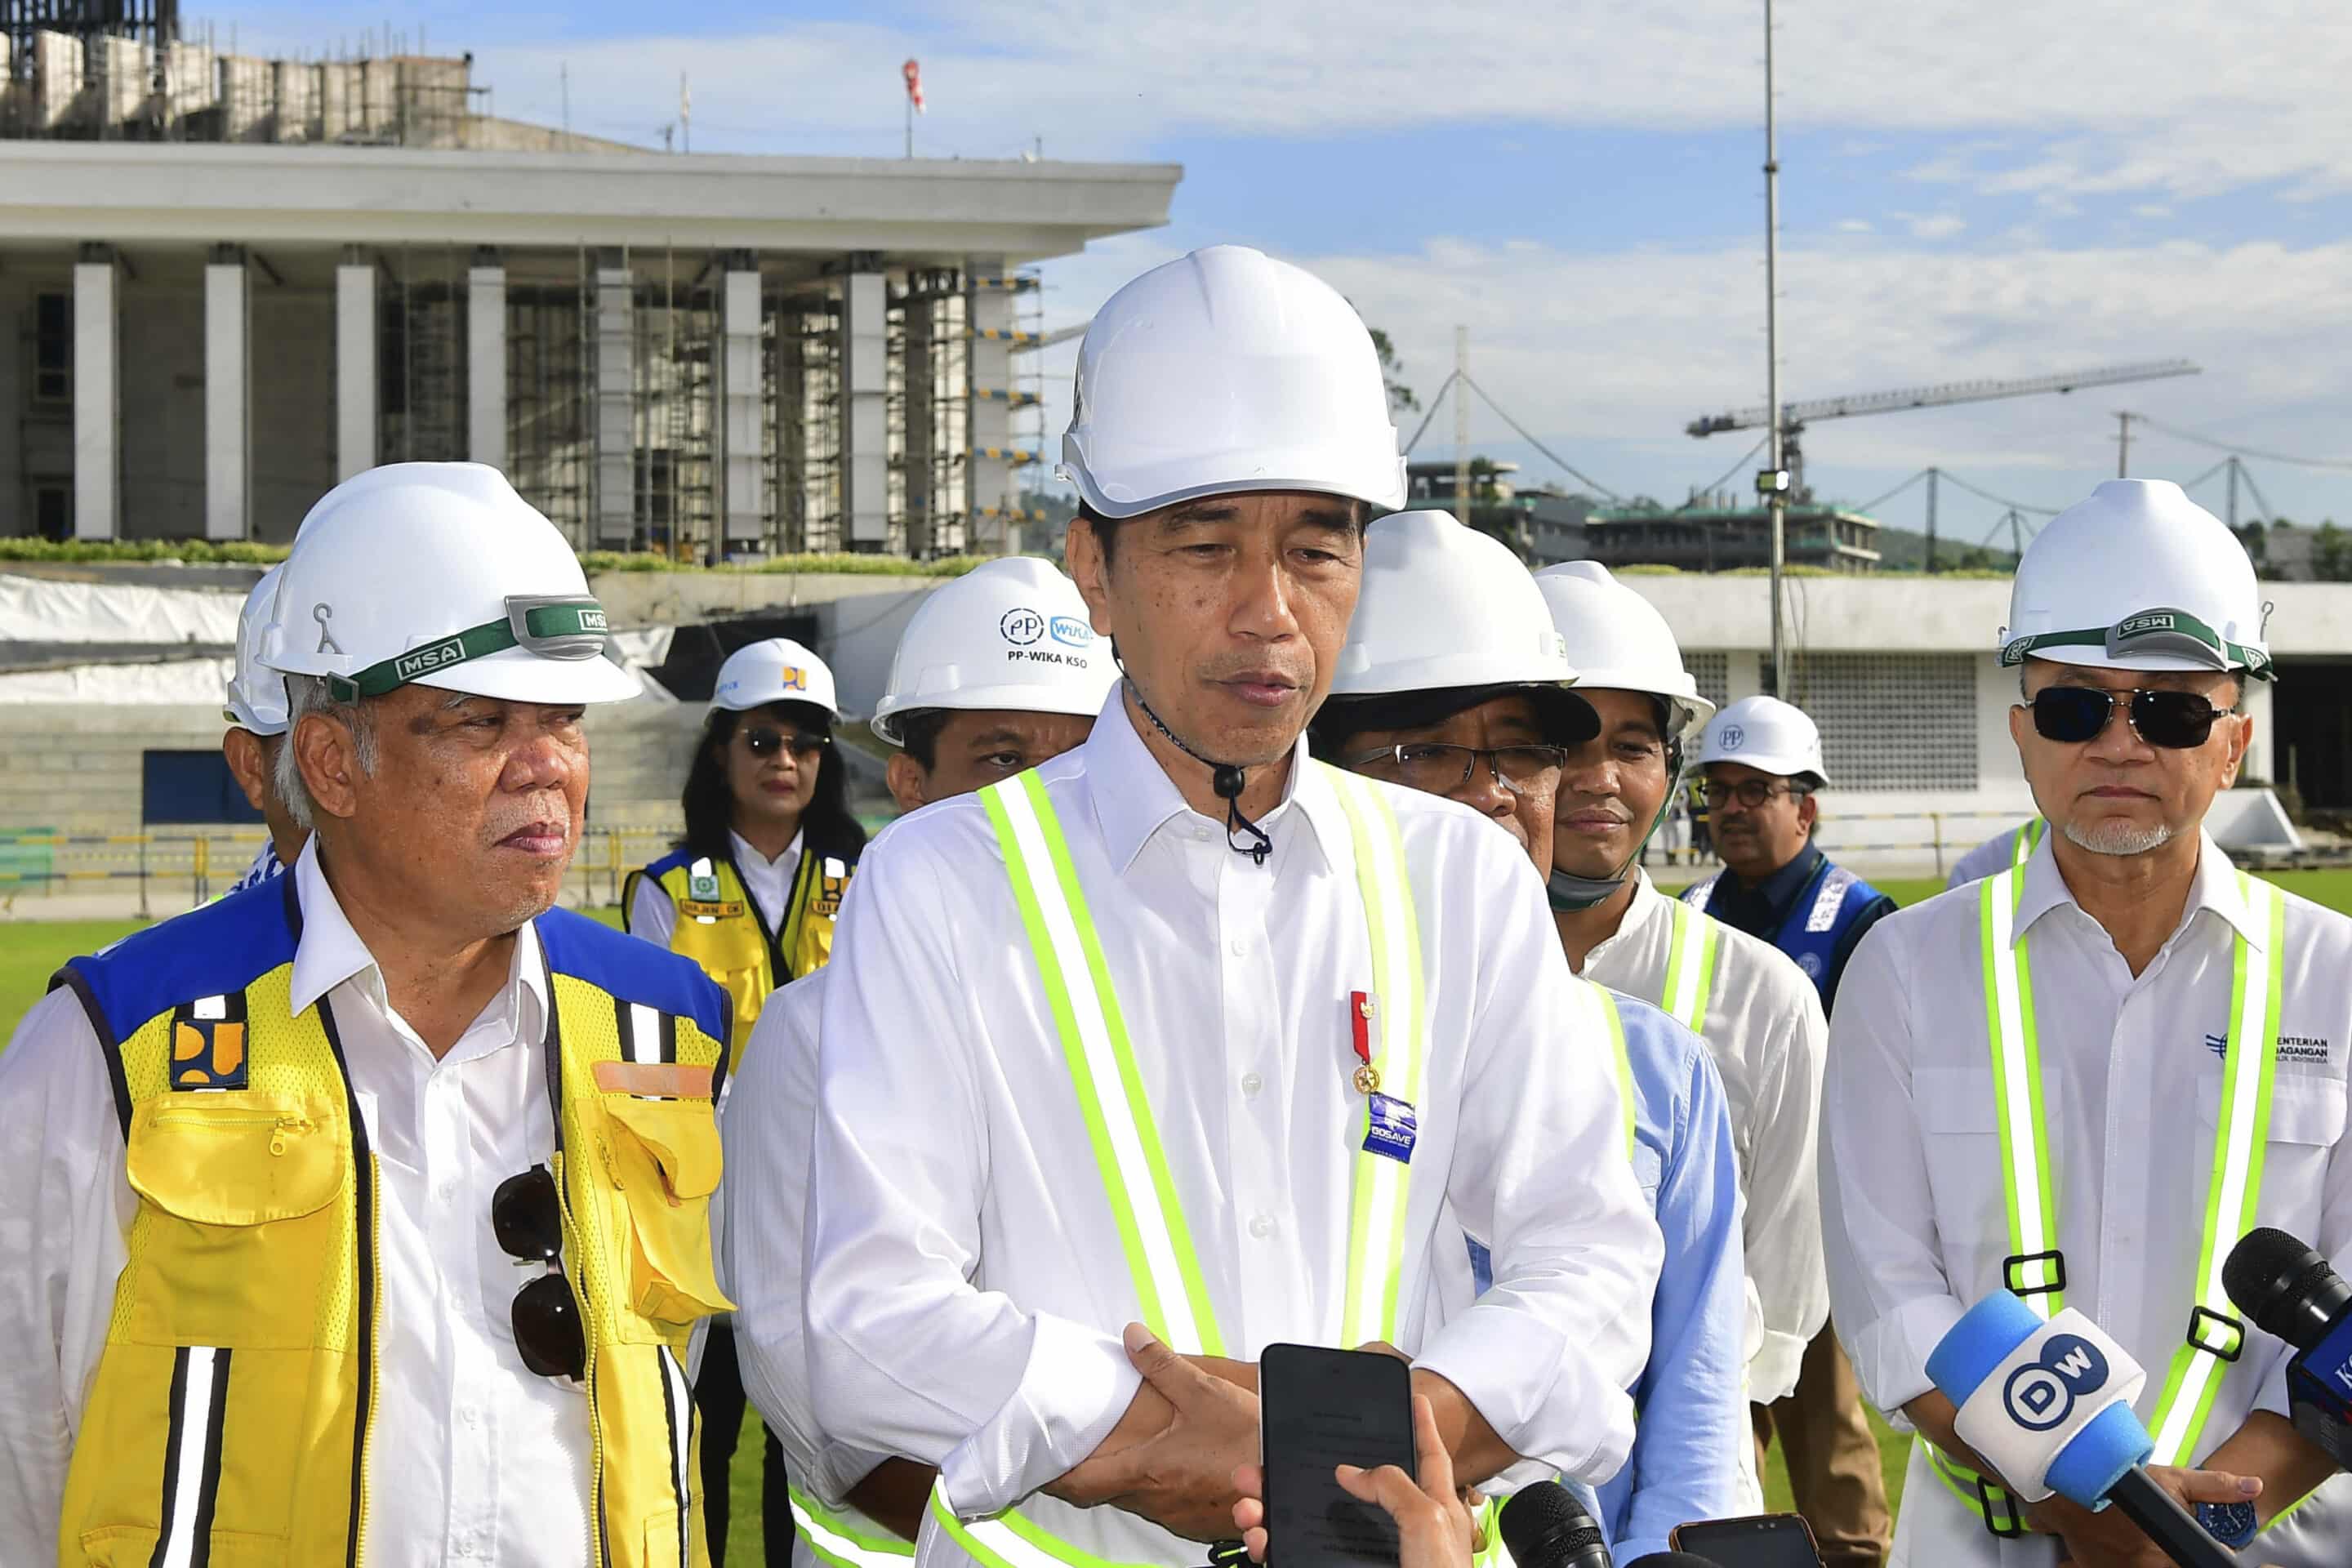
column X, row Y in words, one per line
column 792, row 679
column 1022, row 627
column 1072, row 632
column 327, row 643
column 425, row 660
column 2042, row 1394
column 1732, row 738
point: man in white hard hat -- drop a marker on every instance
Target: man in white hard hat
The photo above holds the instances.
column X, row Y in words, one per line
column 2172, row 1034
column 280, row 1157
column 997, row 672
column 255, row 708
column 1759, row 1015
column 1453, row 681
column 1184, row 1028
column 1760, row 760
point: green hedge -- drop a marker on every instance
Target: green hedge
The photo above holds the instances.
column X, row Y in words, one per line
column 206, row 552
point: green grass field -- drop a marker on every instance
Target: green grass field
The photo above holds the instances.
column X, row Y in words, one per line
column 31, row 951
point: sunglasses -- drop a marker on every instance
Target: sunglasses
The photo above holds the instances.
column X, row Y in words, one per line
column 766, row 742
column 528, row 1223
column 2177, row 721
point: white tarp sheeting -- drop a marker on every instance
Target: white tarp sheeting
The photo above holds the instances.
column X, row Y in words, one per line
column 42, row 610
column 206, row 680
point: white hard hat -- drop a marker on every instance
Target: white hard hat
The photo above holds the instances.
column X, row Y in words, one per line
column 1011, row 632
column 1767, row 734
column 256, row 697
column 1617, row 641
column 439, row 574
column 1224, row 372
column 2137, row 577
column 1445, row 608
column 776, row 669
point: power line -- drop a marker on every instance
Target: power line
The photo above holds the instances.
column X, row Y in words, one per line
column 2236, row 450
column 1877, row 502
column 1435, row 399
column 1983, row 494
column 1562, row 462
column 1716, row 483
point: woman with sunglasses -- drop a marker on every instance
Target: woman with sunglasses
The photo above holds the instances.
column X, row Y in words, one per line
column 2081, row 1080
column 751, row 893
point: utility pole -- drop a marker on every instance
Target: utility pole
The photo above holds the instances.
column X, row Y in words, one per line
column 2123, row 445
column 1932, row 474
column 1777, row 496
column 2232, row 465
column 1462, row 426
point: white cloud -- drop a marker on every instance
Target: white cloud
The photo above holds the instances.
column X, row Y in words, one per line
column 2190, row 98
column 1933, row 226
column 1856, row 226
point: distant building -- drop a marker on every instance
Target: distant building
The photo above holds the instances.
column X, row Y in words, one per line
column 229, row 282
column 1545, row 525
column 1713, row 539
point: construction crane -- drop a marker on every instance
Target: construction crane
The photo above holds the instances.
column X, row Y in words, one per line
column 1795, row 416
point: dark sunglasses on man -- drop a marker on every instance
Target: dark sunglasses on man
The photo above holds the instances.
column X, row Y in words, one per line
column 765, row 742
column 528, row 1223
column 2177, row 721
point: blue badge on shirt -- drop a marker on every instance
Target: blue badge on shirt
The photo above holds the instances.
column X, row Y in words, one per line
column 1391, row 1129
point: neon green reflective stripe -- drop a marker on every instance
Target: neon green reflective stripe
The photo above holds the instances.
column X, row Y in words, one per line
column 1615, row 1023
column 1692, row 954
column 1964, row 1483
column 1486, row 1545
column 2021, row 847
column 1165, row 1269
column 2250, row 1068
column 2017, row 1089
column 1382, row 1187
column 835, row 1540
column 1009, row 1540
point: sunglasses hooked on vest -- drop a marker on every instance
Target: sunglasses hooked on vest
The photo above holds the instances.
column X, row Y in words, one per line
column 244, row 1343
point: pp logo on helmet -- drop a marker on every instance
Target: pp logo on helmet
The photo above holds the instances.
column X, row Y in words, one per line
column 1022, row 627
column 1732, row 738
column 2042, row 1394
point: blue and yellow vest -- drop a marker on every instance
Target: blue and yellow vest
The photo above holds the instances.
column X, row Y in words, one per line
column 1833, row 899
column 229, row 1418
column 719, row 925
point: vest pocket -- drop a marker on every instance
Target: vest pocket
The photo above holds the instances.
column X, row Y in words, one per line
column 133, row 1546
column 663, row 1155
column 236, row 1233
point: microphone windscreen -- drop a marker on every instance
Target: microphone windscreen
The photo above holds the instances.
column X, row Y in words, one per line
column 2268, row 1274
column 1673, row 1560
column 1544, row 1525
column 1983, row 1339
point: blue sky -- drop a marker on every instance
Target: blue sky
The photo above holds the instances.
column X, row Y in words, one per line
column 1972, row 188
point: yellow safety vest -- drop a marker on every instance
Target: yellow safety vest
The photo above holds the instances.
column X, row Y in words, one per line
column 719, row 925
column 230, row 1418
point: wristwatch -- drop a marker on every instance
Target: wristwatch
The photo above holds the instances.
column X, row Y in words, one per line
column 2231, row 1523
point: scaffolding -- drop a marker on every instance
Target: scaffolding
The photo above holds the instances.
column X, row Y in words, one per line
column 1007, row 434
column 801, row 404
column 929, row 419
column 676, row 355
column 551, row 429
column 420, row 397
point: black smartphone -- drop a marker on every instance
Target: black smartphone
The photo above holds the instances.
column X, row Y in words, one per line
column 1760, row 1541
column 1319, row 1409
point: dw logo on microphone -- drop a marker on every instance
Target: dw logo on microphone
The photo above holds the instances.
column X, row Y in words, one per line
column 2041, row 1395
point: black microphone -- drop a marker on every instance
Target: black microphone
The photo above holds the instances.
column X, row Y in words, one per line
column 2289, row 1290
column 1673, row 1560
column 1544, row 1527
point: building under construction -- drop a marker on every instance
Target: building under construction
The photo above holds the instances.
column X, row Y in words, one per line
column 1714, row 533
column 236, row 281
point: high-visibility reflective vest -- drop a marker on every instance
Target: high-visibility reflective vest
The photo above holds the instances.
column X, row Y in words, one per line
column 721, row 927
column 2035, row 1268
column 1818, row 919
column 230, row 1416
column 1160, row 1260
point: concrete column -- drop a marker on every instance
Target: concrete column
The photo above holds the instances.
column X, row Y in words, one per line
column 989, row 309
column 228, row 394
column 615, row 431
column 355, row 371
column 923, row 502
column 485, row 358
column 98, row 393
column 865, row 408
column 742, row 448
column 791, row 425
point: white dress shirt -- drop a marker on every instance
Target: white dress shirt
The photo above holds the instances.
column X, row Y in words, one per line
column 1913, row 1196
column 769, row 883
column 1765, row 1029
column 472, row 1458
column 965, row 1285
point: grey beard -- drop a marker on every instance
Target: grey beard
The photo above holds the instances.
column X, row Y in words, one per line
column 2119, row 837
